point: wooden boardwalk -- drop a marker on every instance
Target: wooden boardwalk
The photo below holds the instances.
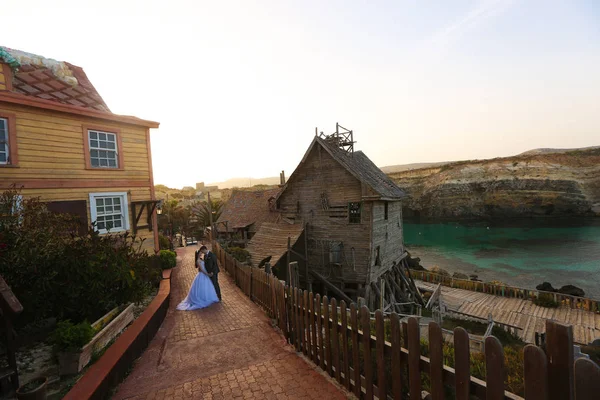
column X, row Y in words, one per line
column 519, row 312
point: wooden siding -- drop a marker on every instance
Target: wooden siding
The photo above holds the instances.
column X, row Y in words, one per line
column 320, row 173
column 3, row 77
column 52, row 161
column 387, row 235
column 51, row 147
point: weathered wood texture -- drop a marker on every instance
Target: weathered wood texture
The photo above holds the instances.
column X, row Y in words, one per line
column 387, row 236
column 302, row 199
column 520, row 312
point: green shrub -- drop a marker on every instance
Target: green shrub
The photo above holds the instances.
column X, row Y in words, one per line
column 168, row 259
column 57, row 271
column 70, row 337
column 163, row 242
column 546, row 300
column 240, row 254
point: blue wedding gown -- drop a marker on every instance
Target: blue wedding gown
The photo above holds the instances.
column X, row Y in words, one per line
column 202, row 293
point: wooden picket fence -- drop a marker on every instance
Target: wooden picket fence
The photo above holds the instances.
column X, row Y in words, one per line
column 333, row 337
column 582, row 303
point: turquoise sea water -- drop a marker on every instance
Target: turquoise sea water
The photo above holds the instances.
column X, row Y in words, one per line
column 521, row 253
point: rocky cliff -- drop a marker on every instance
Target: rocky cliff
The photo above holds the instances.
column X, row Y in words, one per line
column 564, row 183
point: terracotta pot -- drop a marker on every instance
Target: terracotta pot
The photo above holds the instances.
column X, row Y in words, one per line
column 38, row 393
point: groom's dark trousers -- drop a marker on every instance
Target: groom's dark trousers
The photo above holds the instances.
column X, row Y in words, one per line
column 212, row 267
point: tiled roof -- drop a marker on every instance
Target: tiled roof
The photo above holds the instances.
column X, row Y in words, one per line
column 248, row 208
column 271, row 240
column 53, row 80
column 56, row 85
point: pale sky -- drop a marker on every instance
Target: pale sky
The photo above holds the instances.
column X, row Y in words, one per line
column 239, row 86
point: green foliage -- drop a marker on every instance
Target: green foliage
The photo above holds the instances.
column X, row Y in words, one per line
column 72, row 337
column 240, row 254
column 168, row 259
column 546, row 300
column 57, row 272
column 202, row 213
column 163, row 242
column 513, row 362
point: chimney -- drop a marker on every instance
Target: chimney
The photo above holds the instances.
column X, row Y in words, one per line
column 282, row 177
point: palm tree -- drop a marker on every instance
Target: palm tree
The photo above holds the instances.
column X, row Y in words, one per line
column 202, row 211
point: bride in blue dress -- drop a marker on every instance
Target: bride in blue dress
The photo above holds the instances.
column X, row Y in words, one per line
column 202, row 293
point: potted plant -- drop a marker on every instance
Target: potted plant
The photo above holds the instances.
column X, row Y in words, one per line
column 33, row 390
column 68, row 340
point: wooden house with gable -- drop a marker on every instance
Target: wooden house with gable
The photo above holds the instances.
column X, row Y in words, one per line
column 350, row 213
column 60, row 142
column 245, row 211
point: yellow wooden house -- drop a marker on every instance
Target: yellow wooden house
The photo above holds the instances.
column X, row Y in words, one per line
column 59, row 141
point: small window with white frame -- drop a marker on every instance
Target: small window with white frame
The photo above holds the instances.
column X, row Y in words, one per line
column 4, row 149
column 104, row 151
column 109, row 211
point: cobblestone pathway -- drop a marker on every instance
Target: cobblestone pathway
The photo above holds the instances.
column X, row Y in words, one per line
column 228, row 350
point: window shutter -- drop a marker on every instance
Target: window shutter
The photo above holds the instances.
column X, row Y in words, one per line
column 74, row 207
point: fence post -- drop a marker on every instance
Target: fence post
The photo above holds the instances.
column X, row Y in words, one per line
column 414, row 358
column 535, row 373
column 587, row 380
column 365, row 318
column 494, row 366
column 251, row 276
column 559, row 349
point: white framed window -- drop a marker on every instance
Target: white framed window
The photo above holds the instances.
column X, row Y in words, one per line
column 104, row 151
column 109, row 211
column 4, row 149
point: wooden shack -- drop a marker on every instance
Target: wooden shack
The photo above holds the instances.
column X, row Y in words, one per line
column 351, row 214
column 245, row 212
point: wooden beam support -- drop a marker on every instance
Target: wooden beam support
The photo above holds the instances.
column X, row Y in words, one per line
column 331, row 286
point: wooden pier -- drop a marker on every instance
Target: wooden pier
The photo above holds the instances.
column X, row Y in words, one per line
column 519, row 312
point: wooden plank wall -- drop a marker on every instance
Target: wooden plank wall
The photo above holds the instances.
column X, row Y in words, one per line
column 387, row 234
column 322, row 174
column 51, row 152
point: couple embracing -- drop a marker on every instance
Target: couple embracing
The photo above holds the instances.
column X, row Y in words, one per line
column 205, row 288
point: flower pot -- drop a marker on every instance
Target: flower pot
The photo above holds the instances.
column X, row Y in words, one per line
column 70, row 363
column 33, row 391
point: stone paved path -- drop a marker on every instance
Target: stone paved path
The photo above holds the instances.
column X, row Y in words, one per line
column 229, row 350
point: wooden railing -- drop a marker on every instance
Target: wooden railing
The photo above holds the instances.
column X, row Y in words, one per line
column 583, row 303
column 335, row 337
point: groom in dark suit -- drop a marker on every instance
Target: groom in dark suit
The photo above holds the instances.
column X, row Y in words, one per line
column 212, row 267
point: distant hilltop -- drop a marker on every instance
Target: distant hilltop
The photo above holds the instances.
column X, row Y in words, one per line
column 246, row 182
column 392, row 169
column 550, row 151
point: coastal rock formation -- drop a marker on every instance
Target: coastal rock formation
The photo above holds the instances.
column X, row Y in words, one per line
column 539, row 184
column 546, row 287
column 460, row 275
column 572, row 291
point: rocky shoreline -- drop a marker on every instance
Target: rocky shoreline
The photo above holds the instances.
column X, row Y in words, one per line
column 414, row 263
column 548, row 185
